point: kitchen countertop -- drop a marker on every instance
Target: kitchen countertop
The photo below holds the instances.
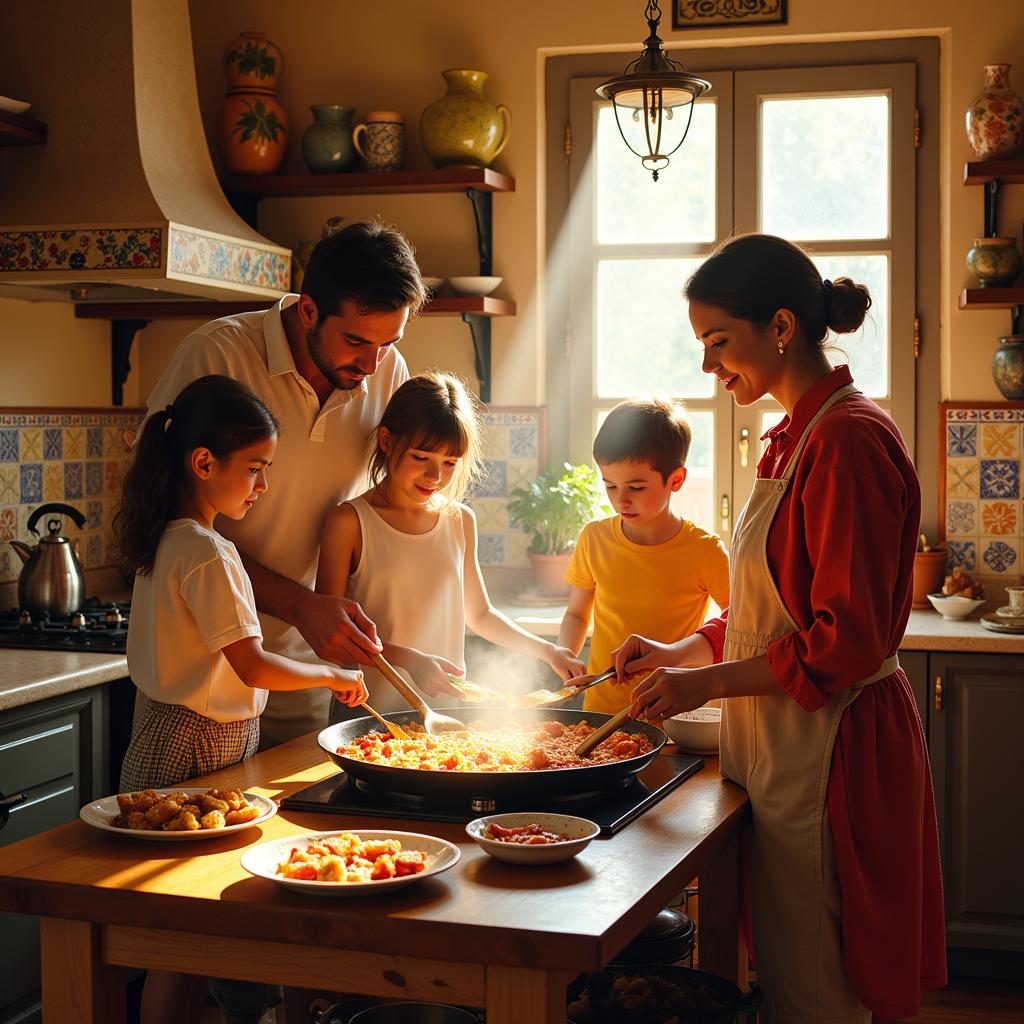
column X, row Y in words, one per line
column 926, row 630
column 28, row 676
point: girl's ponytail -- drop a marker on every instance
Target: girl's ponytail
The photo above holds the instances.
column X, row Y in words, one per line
column 213, row 412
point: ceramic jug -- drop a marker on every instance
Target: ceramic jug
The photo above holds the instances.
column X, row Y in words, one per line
column 327, row 142
column 995, row 262
column 995, row 117
column 1008, row 367
column 462, row 127
column 380, row 141
column 253, row 128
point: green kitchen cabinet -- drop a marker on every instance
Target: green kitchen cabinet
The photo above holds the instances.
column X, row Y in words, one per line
column 55, row 752
column 974, row 730
column 915, row 665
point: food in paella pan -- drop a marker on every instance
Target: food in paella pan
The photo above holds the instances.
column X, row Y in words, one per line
column 152, row 811
column 486, row 747
column 346, row 858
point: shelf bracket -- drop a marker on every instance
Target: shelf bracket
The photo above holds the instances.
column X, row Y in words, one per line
column 992, row 208
column 480, row 329
column 1017, row 320
column 482, row 215
column 246, row 205
column 122, row 334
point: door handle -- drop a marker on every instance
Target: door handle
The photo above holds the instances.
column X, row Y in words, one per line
column 725, row 512
column 744, row 446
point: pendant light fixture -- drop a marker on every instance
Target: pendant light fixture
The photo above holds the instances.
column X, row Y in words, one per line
column 655, row 89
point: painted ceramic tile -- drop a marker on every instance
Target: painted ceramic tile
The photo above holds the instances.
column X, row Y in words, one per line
column 10, row 566
column 74, row 480
column 962, row 479
column 31, row 482
column 74, row 442
column 494, row 479
column 491, row 548
column 53, row 443
column 53, row 481
column 93, row 478
column 1000, row 478
column 9, row 448
column 31, row 445
column 94, row 443
column 94, row 515
column 999, row 518
column 10, row 492
column 522, row 442
column 1000, row 440
column 491, row 515
column 963, row 554
column 8, row 523
column 961, row 518
column 962, row 441
column 1001, row 556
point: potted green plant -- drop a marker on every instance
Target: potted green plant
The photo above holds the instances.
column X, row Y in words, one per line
column 554, row 508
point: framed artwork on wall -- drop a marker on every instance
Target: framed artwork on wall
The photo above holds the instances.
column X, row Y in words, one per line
column 725, row 13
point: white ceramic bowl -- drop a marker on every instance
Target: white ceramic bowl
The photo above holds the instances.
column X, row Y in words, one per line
column 433, row 284
column 582, row 830
column 474, row 285
column 13, row 106
column 954, row 607
column 695, row 731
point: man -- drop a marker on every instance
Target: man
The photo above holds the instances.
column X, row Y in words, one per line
column 326, row 363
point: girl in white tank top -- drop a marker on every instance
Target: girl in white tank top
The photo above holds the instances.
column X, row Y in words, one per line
column 405, row 550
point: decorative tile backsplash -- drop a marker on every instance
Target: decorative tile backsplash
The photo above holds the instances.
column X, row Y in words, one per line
column 73, row 456
column 515, row 442
column 982, row 501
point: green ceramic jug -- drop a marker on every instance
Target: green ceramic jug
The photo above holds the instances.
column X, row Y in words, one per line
column 327, row 142
column 462, row 127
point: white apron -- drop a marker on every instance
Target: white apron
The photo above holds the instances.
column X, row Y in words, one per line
column 781, row 754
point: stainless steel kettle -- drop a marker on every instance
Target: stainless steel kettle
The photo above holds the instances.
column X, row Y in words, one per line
column 51, row 580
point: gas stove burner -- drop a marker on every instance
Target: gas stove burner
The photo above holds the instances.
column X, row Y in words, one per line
column 24, row 618
column 97, row 627
column 113, row 617
column 78, row 620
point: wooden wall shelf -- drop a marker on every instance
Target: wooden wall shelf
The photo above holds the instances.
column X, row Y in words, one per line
column 1010, row 172
column 21, row 130
column 991, row 298
column 452, row 179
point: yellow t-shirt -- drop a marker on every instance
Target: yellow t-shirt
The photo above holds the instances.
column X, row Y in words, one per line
column 661, row 591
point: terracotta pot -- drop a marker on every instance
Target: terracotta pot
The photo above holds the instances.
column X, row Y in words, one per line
column 251, row 61
column 995, row 262
column 253, row 133
column 1008, row 367
column 929, row 572
column 462, row 127
column 995, row 117
column 549, row 572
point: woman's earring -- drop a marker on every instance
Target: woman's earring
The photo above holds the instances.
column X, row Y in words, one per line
column 782, row 347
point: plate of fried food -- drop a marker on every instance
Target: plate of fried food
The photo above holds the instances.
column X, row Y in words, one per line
column 349, row 863
column 178, row 814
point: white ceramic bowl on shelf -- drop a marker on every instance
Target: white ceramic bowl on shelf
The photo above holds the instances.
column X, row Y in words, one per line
column 953, row 608
column 579, row 830
column 13, row 106
column 695, row 732
column 433, row 284
column 474, row 285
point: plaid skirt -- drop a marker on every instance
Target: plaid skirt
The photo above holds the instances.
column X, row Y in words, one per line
column 171, row 744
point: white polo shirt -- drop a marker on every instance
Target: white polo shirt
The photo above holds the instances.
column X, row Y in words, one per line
column 320, row 461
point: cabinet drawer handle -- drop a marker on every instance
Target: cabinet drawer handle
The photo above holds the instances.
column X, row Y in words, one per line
column 938, row 693
column 8, row 802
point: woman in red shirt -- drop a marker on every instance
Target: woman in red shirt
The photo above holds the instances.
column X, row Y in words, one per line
column 819, row 722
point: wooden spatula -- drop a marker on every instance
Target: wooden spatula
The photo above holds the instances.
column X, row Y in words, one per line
column 396, row 730
column 548, row 698
column 602, row 733
column 432, row 721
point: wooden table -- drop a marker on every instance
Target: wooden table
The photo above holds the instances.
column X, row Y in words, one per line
column 481, row 934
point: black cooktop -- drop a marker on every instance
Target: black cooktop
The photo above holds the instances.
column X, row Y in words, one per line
column 612, row 808
column 98, row 628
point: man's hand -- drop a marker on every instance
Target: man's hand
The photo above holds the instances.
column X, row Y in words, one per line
column 638, row 655
column 337, row 629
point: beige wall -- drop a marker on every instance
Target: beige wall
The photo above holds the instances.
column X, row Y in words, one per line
column 375, row 56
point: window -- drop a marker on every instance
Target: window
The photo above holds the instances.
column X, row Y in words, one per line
column 822, row 156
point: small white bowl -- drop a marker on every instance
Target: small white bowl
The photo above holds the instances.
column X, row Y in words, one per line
column 582, row 830
column 474, row 285
column 695, row 731
column 953, row 608
column 433, row 284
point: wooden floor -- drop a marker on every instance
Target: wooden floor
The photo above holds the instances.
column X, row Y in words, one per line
column 973, row 1002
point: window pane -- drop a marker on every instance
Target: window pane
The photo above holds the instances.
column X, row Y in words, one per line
column 680, row 206
column 695, row 500
column 825, row 167
column 645, row 343
column 866, row 350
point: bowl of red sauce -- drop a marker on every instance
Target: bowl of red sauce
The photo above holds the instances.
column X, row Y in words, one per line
column 532, row 837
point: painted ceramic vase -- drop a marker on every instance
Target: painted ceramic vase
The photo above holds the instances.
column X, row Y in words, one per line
column 995, row 117
column 253, row 129
column 381, row 140
column 327, row 142
column 1008, row 367
column 462, row 127
column 995, row 262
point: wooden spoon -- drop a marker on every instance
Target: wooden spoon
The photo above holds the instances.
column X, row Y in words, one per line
column 396, row 730
column 432, row 721
column 602, row 733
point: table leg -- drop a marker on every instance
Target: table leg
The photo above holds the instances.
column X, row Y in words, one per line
column 518, row 994
column 721, row 945
column 78, row 988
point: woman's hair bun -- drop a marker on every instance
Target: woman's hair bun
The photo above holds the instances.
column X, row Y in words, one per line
column 848, row 305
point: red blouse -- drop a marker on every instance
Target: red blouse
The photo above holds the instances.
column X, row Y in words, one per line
column 841, row 553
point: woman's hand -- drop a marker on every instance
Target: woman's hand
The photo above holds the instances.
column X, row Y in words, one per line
column 430, row 673
column 671, row 691
column 347, row 686
column 565, row 664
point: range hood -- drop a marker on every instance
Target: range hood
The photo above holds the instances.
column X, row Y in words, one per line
column 122, row 202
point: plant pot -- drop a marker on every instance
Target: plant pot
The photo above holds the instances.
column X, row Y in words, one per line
column 929, row 572
column 1008, row 367
column 549, row 572
column 995, row 262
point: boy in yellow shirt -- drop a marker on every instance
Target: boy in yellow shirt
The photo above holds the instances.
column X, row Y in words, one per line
column 644, row 570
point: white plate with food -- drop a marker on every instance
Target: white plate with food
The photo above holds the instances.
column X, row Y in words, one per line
column 340, row 863
column 177, row 814
column 532, row 837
